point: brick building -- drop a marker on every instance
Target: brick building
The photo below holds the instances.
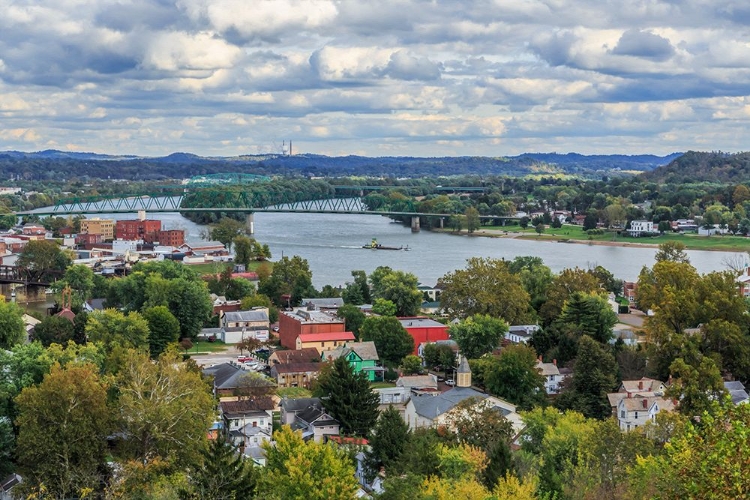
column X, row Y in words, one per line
column 301, row 321
column 146, row 230
column 171, row 237
column 424, row 329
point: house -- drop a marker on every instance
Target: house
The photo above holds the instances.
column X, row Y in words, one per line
column 629, row 290
column 238, row 325
column 635, row 411
column 520, row 334
column 7, row 484
column 226, row 377
column 393, row 396
column 427, row 410
column 307, row 321
column 249, row 422
column 290, row 407
column 641, row 228
column 295, row 374
column 418, row 383
column 323, row 341
column 644, row 387
column 306, row 355
column 743, row 283
column 430, row 293
column 203, row 248
column 737, row 392
column 33, row 230
column 362, row 356
column 362, row 473
column 423, row 329
column 315, row 423
column 551, row 374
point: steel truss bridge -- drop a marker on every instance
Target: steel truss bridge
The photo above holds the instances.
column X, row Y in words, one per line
column 341, row 200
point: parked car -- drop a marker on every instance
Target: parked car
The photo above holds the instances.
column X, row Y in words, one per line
column 450, row 382
column 243, row 359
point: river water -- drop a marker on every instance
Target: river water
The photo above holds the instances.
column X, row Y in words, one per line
column 332, row 245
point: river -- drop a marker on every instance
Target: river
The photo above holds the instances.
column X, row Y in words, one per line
column 332, row 245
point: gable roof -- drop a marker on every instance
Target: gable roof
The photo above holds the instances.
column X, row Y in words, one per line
column 287, row 368
column 297, row 404
column 325, row 337
column 251, row 315
column 417, row 382
column 431, row 407
column 315, row 415
column 247, row 406
column 644, row 384
column 547, row 369
column 304, row 355
column 225, row 375
column 737, row 392
column 365, row 350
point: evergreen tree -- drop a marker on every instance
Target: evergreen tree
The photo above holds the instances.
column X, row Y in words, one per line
column 593, row 377
column 388, row 440
column 499, row 464
column 348, row 397
column 224, row 474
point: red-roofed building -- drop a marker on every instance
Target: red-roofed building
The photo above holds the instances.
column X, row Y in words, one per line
column 424, row 329
column 324, row 341
column 302, row 321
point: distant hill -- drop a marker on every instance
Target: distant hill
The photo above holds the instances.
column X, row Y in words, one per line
column 704, row 167
column 53, row 164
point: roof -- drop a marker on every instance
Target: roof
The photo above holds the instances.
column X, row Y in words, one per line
column 737, row 392
column 316, row 415
column 304, row 316
column 365, row 350
column 251, row 315
column 636, row 403
column 247, row 406
column 297, row 404
column 328, row 302
column 432, row 407
column 547, row 369
column 295, row 368
column 644, row 384
column 325, row 337
column 304, row 355
column 463, row 366
column 418, row 382
column 420, row 322
column 225, row 375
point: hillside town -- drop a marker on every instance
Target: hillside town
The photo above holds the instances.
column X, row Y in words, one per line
column 501, row 378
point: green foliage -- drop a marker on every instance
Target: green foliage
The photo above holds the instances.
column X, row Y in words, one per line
column 73, row 402
column 12, row 329
column 478, row 334
column 223, row 474
column 113, row 328
column 353, row 318
column 388, row 440
column 56, row 329
column 589, row 314
column 562, row 288
column 260, row 300
column 695, row 386
column 398, row 287
column 472, row 219
column 358, row 291
column 80, row 279
column 486, row 286
column 515, row 377
column 226, row 230
column 383, row 307
column 40, row 256
column 439, row 355
column 535, row 278
column 164, row 329
column 188, row 300
column 299, row 470
column 411, row 365
column 290, row 276
column 392, row 341
column 478, row 424
column 349, row 397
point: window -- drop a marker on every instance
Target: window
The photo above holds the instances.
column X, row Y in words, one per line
column 636, row 414
column 622, row 413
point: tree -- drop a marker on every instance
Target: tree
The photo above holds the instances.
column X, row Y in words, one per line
column 113, row 328
column 535, row 278
column 353, row 318
column 411, row 365
column 188, row 300
column 388, row 440
column 383, row 307
column 290, row 276
column 590, row 221
column 73, row 402
column 357, row 292
column 589, row 314
column 539, row 228
column 223, row 474
column 243, row 250
column 55, row 329
column 562, row 287
column 593, row 378
column 226, row 230
column 12, row 329
column 515, row 377
column 673, row 251
column 299, row 470
column 260, row 300
column 40, row 256
column 472, row 219
column 248, row 344
column 486, row 286
column 164, row 408
column 478, row 424
column 478, row 334
column 398, row 287
column 164, row 329
column 392, row 341
column 439, row 355
column 348, row 397
column 695, row 386
column 80, row 279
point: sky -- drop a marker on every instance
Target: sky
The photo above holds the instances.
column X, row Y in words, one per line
column 374, row 78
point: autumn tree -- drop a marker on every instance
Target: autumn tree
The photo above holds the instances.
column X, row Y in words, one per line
column 696, row 383
column 478, row 334
column 673, row 251
column 485, row 286
column 563, row 286
column 299, row 470
column 348, row 397
column 392, row 341
column 164, row 408
column 72, row 402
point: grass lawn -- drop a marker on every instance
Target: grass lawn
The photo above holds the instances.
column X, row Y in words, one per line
column 217, row 267
column 382, row 385
column 293, row 392
column 203, row 346
column 691, row 241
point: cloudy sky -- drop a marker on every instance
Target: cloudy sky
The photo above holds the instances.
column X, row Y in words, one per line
column 388, row 77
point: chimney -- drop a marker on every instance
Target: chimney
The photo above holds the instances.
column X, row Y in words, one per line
column 540, row 358
column 645, row 404
column 629, row 395
column 640, row 384
column 554, row 362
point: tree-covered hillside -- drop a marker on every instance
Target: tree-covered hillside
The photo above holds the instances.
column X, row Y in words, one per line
column 696, row 166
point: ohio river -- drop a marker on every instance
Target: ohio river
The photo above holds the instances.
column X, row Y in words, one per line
column 332, row 245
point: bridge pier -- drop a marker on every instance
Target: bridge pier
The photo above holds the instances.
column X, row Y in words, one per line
column 415, row 224
column 250, row 224
column 442, row 221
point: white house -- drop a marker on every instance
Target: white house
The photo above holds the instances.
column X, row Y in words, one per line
column 249, row 423
column 238, row 325
column 521, row 334
column 635, row 411
column 641, row 227
column 551, row 374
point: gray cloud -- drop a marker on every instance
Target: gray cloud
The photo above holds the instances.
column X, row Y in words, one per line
column 639, row 43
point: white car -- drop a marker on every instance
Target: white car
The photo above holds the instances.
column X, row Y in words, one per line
column 450, row 382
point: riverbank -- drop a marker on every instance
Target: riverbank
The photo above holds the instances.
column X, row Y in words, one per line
column 575, row 234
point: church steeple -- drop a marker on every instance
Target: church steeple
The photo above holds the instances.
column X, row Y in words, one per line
column 463, row 373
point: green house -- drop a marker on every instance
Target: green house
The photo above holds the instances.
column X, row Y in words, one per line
column 362, row 356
